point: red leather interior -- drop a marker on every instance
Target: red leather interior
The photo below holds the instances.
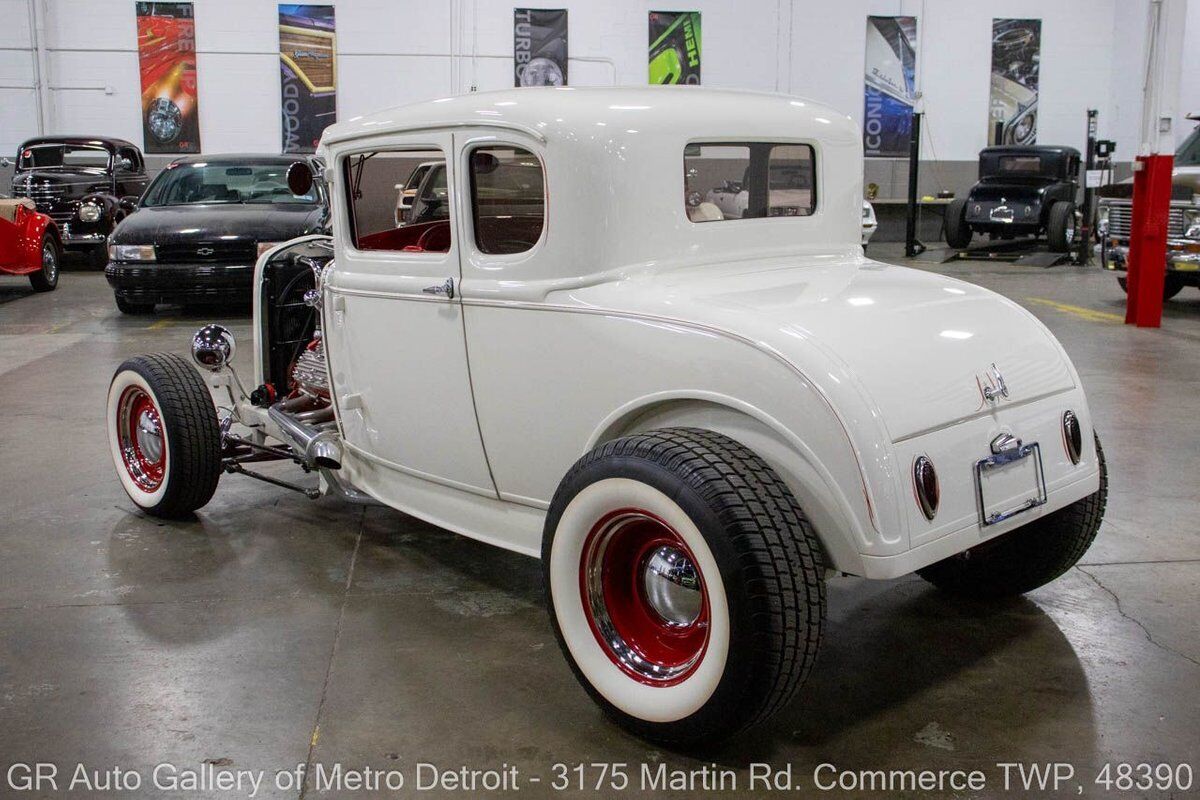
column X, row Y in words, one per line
column 423, row 237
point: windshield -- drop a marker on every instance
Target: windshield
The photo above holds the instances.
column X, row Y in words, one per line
column 189, row 184
column 1188, row 154
column 62, row 156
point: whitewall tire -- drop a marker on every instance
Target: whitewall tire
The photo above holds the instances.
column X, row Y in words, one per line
column 163, row 435
column 683, row 584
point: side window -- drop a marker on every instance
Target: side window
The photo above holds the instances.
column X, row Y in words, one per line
column 130, row 155
column 745, row 180
column 508, row 199
column 399, row 200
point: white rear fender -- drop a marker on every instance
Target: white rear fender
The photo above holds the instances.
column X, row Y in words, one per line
column 839, row 527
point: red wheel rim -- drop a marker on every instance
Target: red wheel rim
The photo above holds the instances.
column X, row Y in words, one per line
column 644, row 597
column 140, row 438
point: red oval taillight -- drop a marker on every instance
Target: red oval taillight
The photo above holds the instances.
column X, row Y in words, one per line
column 925, row 485
column 1072, row 436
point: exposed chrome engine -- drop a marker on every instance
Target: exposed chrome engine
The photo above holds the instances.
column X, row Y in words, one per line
column 310, row 376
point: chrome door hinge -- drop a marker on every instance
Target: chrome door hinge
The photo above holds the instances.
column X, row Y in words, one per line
column 446, row 288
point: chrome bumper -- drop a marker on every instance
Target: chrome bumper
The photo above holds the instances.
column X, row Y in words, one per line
column 1183, row 255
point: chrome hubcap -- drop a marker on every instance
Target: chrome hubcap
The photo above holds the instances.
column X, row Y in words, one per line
column 672, row 586
column 149, row 435
column 49, row 262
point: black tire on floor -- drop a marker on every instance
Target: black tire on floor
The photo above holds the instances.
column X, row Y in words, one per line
column 164, row 435
column 958, row 232
column 1028, row 557
column 1171, row 286
column 46, row 280
column 759, row 573
column 128, row 307
column 1060, row 226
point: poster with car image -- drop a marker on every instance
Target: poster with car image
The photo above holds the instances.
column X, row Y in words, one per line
column 166, row 41
column 675, row 47
column 307, row 74
column 539, row 47
column 1016, row 58
column 890, row 90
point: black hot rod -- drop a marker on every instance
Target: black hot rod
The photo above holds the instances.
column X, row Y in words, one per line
column 1022, row 191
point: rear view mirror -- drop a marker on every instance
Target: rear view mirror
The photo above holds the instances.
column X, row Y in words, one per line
column 128, row 203
column 300, row 178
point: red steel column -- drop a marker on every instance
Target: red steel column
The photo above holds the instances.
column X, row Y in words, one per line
column 1147, row 266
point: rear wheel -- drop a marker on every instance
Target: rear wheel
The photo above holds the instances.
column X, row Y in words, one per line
column 46, row 279
column 958, row 232
column 683, row 584
column 164, row 436
column 1172, row 286
column 1060, row 226
column 1028, row 557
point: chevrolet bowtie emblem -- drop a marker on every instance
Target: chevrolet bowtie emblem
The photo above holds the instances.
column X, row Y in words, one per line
column 205, row 251
column 996, row 388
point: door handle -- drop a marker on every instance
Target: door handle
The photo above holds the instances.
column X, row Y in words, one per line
column 446, row 288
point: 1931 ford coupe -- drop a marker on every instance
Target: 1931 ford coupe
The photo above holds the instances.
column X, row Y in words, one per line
column 694, row 421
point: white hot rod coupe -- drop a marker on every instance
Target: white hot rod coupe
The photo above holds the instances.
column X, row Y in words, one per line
column 694, row 421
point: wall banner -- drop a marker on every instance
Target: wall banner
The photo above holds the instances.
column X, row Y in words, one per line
column 166, row 36
column 539, row 47
column 1016, row 56
column 675, row 47
column 890, row 86
column 307, row 74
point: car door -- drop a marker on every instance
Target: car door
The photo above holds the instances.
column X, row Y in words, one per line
column 394, row 325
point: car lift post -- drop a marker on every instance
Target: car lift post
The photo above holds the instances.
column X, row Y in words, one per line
column 1152, row 170
column 1083, row 256
column 912, row 246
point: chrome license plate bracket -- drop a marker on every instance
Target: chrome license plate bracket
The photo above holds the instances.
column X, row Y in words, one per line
column 1007, row 460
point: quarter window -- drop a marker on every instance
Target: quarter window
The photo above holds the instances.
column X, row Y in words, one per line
column 744, row 180
column 508, row 199
column 399, row 200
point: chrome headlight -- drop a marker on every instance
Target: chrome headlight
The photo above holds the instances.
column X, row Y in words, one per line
column 265, row 246
column 1193, row 231
column 131, row 252
column 213, row 347
column 1025, row 128
column 89, row 212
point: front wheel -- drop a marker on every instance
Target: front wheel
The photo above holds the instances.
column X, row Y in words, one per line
column 958, row 231
column 1028, row 557
column 46, row 279
column 1171, row 286
column 164, row 435
column 684, row 584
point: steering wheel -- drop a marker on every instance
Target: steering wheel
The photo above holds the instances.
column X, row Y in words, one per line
column 424, row 240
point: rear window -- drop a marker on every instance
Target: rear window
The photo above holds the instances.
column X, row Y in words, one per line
column 745, row 180
column 1031, row 164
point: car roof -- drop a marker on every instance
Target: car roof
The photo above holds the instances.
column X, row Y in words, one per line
column 1028, row 150
column 106, row 142
column 245, row 158
column 567, row 111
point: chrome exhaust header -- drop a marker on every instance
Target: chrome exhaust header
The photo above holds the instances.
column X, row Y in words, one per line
column 319, row 449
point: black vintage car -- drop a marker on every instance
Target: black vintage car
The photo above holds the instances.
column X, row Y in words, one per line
column 86, row 184
column 201, row 226
column 1022, row 191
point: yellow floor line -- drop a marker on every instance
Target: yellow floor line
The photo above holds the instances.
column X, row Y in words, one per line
column 158, row 326
column 1090, row 314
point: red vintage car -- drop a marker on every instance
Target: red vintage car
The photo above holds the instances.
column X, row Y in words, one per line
column 29, row 244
